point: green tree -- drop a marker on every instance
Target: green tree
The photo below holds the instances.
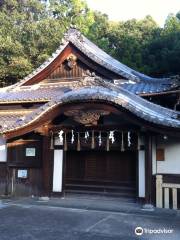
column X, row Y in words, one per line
column 98, row 31
column 129, row 40
column 30, row 31
column 163, row 52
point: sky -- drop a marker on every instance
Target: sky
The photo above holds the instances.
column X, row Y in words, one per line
column 128, row 9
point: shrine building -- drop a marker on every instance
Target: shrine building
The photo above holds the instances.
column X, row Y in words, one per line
column 85, row 122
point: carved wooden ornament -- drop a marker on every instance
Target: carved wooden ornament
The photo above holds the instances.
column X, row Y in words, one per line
column 71, row 61
column 89, row 117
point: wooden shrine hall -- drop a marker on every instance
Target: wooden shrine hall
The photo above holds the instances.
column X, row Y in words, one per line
column 84, row 122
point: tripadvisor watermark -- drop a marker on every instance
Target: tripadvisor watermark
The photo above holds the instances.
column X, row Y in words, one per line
column 140, row 231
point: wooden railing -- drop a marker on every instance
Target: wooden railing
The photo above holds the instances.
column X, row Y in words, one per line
column 162, row 193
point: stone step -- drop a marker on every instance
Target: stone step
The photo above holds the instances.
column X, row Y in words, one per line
column 100, row 182
column 101, row 188
column 123, row 195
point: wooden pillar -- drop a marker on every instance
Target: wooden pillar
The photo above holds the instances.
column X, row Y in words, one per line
column 159, row 191
column 148, row 168
column 174, row 195
column 64, row 172
column 166, row 197
column 7, row 180
column 47, row 165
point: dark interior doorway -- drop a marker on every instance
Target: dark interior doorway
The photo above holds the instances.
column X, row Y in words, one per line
column 112, row 172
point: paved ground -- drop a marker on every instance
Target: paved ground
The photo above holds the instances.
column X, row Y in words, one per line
column 35, row 220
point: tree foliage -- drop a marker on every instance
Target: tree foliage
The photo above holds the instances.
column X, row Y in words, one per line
column 31, row 30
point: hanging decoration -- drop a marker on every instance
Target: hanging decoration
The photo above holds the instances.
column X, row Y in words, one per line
column 100, row 139
column 78, row 143
column 110, row 139
column 111, row 136
column 122, row 142
column 129, row 139
column 107, row 143
column 52, row 141
column 72, row 136
column 92, row 140
column 65, row 142
column 61, row 136
column 86, row 135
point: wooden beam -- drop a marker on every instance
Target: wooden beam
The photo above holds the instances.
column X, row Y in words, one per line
column 100, row 127
column 171, row 185
column 47, row 166
column 113, row 108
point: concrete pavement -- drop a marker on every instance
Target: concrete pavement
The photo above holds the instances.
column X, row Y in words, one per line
column 30, row 219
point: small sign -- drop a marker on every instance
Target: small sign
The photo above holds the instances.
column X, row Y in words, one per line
column 22, row 173
column 160, row 154
column 30, row 152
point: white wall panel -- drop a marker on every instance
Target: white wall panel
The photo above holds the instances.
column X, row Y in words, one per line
column 58, row 171
column 171, row 165
column 141, row 156
column 141, row 170
column 3, row 150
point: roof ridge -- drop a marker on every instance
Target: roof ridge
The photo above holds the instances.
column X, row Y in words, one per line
column 74, row 34
column 93, row 52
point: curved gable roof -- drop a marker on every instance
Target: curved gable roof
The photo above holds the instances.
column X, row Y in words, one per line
column 100, row 91
column 96, row 54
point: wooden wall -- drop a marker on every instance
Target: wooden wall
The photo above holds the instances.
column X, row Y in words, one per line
column 18, row 160
column 63, row 71
column 3, row 178
column 32, row 185
column 17, row 153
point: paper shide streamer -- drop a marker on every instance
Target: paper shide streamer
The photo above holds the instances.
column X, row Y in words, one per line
column 72, row 136
column 61, row 139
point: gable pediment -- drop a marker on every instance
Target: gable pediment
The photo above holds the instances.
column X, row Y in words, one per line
column 71, row 63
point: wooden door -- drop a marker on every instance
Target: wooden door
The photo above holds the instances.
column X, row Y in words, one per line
column 95, row 166
column 75, row 165
column 102, row 167
column 121, row 167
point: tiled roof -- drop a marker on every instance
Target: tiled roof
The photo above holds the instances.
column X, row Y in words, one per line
column 143, row 83
column 34, row 93
column 10, row 117
column 44, row 92
column 150, row 87
column 97, row 89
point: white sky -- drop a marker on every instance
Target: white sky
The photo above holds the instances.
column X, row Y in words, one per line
column 128, row 9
